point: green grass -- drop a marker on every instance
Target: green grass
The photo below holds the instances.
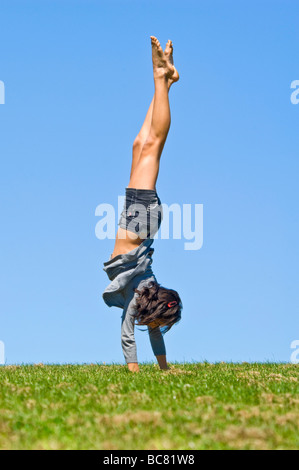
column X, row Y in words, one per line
column 191, row 406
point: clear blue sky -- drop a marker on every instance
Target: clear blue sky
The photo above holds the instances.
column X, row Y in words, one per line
column 78, row 81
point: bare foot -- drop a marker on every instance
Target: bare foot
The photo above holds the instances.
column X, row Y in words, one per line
column 161, row 66
column 168, row 53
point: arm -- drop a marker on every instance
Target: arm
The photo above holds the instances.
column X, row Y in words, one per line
column 158, row 346
column 129, row 344
column 162, row 362
column 128, row 340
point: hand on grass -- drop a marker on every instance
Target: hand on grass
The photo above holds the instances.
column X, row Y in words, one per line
column 133, row 366
column 162, row 362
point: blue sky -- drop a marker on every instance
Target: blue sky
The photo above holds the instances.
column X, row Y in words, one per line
column 78, row 82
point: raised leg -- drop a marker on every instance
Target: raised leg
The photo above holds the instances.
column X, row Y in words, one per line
column 153, row 133
column 145, row 129
column 141, row 137
column 150, row 141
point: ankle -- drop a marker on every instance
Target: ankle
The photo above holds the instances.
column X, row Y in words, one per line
column 161, row 77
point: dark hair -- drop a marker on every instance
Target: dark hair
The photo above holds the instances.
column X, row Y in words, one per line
column 155, row 302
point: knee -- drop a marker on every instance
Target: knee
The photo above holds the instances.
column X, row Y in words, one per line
column 154, row 140
column 137, row 144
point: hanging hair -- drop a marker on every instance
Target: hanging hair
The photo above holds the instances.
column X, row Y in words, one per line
column 155, row 302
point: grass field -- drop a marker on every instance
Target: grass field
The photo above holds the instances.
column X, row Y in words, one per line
column 191, row 406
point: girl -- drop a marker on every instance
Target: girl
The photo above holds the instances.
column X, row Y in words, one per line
column 133, row 287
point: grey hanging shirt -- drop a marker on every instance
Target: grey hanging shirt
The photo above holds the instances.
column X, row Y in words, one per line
column 127, row 272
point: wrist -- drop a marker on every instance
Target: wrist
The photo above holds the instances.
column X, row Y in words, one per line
column 162, row 362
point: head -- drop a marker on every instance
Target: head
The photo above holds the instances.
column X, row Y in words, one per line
column 158, row 306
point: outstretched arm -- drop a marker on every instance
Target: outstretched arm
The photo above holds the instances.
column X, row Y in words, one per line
column 158, row 346
column 128, row 340
column 129, row 344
